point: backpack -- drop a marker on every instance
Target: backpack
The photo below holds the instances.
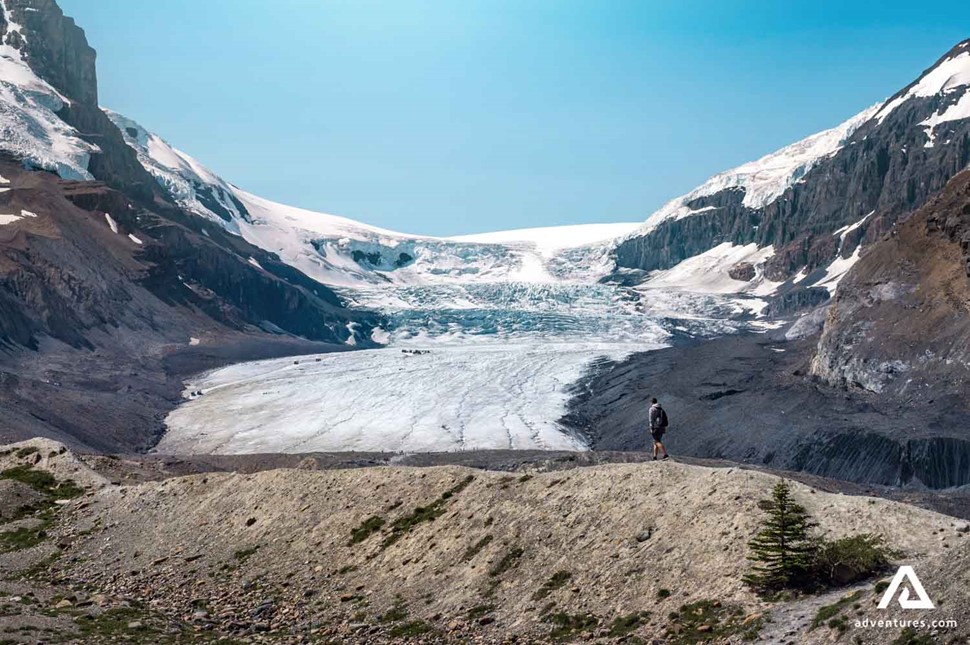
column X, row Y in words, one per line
column 663, row 418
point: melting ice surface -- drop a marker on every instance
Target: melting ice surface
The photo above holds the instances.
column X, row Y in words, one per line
column 495, row 369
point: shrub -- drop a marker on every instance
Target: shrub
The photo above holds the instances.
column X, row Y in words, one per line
column 851, row 559
column 558, row 580
column 370, row 526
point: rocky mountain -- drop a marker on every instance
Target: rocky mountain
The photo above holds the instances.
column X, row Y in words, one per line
column 807, row 210
column 103, row 273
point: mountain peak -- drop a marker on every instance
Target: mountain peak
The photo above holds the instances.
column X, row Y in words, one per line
column 950, row 73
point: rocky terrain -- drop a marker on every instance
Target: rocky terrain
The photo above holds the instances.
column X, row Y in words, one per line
column 99, row 329
column 607, row 553
column 751, row 399
column 914, row 282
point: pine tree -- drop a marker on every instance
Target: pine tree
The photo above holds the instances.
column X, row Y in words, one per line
column 783, row 549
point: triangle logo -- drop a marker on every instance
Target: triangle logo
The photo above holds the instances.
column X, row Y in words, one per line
column 907, row 574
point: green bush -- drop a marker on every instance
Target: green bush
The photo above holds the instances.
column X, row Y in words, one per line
column 851, row 559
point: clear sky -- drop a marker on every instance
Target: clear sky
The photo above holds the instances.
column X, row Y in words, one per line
column 464, row 116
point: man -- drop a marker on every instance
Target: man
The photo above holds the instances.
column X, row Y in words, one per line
column 658, row 426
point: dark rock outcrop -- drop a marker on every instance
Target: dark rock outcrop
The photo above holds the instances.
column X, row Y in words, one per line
column 743, row 271
column 57, row 50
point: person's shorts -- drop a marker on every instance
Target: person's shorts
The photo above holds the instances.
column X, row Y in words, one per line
column 657, row 434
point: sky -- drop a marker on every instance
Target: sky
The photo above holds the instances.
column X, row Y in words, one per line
column 465, row 116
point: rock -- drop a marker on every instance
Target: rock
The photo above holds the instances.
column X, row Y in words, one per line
column 703, row 629
column 644, row 535
column 486, row 620
column 135, row 625
column 63, row 604
column 743, row 271
column 750, row 618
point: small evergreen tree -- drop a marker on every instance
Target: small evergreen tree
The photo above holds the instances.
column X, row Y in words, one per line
column 783, row 549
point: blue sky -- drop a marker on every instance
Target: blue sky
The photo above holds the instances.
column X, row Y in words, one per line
column 466, row 116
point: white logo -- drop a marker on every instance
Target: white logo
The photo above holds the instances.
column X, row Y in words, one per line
column 906, row 572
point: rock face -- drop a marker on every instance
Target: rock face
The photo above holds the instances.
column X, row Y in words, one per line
column 890, row 162
column 57, row 51
column 900, row 322
column 104, row 307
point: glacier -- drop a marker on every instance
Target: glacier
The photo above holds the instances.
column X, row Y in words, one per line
column 485, row 334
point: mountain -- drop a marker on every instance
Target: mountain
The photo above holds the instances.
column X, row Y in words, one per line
column 110, row 288
column 804, row 213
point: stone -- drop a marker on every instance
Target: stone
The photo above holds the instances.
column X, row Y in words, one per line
column 743, row 271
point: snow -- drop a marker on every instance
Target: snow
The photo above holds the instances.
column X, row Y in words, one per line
column 4, row 180
column 134, row 239
column 182, row 175
column 548, row 240
column 843, row 232
column 708, row 271
column 767, row 178
column 949, row 75
column 256, row 264
column 11, row 218
column 954, row 112
column 193, row 341
column 336, row 251
column 837, row 270
column 113, row 224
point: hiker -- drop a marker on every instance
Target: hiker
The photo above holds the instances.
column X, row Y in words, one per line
column 658, row 426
